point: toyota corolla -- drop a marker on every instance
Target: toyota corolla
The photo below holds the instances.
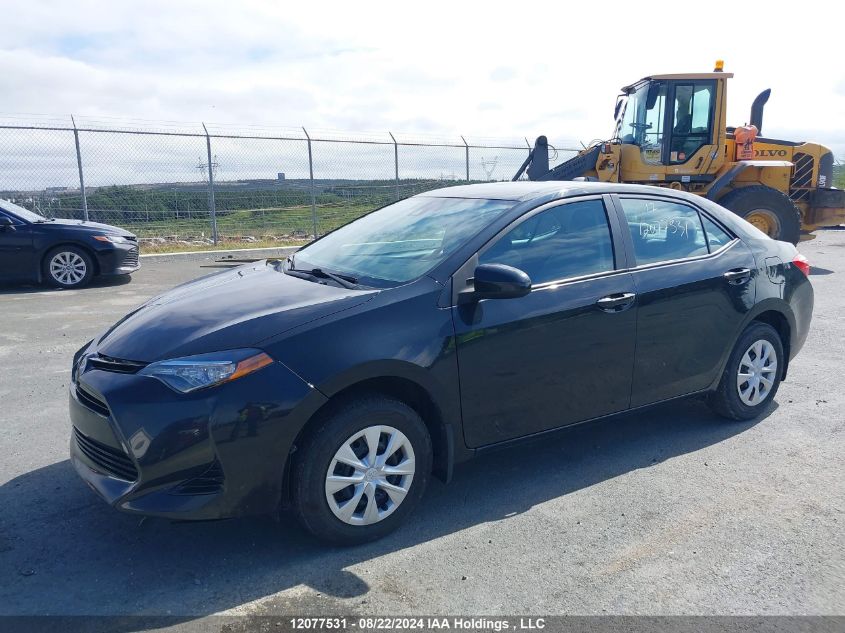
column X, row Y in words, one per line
column 332, row 385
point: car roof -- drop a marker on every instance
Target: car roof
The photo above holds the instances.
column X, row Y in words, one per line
column 525, row 190
column 532, row 193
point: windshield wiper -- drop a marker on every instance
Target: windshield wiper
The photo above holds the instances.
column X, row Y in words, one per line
column 347, row 281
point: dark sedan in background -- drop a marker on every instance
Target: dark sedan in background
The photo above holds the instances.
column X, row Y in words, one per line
column 65, row 253
column 335, row 383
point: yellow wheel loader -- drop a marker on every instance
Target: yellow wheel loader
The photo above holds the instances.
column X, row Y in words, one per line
column 671, row 132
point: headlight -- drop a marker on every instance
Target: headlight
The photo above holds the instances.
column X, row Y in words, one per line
column 114, row 239
column 197, row 372
column 78, row 360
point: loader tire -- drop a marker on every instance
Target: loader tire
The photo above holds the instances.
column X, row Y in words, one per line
column 768, row 209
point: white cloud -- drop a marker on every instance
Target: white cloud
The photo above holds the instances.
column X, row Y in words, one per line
column 447, row 68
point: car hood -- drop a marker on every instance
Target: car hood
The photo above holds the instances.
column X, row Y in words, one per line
column 94, row 227
column 232, row 309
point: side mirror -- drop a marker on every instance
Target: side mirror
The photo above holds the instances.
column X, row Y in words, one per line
column 498, row 281
column 6, row 223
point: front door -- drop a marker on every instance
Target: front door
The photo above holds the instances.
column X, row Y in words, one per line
column 17, row 260
column 694, row 284
column 564, row 352
column 690, row 122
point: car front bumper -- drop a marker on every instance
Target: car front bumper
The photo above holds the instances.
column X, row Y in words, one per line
column 118, row 259
column 216, row 453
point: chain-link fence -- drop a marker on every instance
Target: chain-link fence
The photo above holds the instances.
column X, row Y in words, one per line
column 179, row 186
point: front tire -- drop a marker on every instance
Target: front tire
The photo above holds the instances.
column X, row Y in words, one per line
column 752, row 374
column 68, row 267
column 361, row 470
column 770, row 210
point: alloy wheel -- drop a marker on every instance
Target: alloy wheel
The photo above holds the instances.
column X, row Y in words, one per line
column 68, row 268
column 757, row 372
column 370, row 475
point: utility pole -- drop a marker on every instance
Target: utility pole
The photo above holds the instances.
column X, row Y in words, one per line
column 211, row 205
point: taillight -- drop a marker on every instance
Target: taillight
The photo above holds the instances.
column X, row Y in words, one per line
column 802, row 263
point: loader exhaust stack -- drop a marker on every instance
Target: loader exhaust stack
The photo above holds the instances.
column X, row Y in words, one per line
column 757, row 109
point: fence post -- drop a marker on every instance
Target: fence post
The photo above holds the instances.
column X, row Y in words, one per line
column 311, row 177
column 467, row 155
column 395, row 163
column 79, row 166
column 212, row 207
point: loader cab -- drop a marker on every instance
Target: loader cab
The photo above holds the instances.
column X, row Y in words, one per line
column 673, row 121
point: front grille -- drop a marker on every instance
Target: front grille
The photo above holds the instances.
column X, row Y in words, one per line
column 113, row 461
column 118, row 365
column 210, row 482
column 131, row 258
column 91, row 401
column 802, row 176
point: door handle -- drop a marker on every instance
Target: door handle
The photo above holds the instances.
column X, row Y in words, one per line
column 737, row 276
column 616, row 302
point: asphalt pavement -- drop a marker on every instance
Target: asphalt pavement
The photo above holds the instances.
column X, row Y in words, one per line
column 669, row 511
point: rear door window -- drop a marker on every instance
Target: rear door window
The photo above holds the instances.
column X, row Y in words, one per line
column 662, row 230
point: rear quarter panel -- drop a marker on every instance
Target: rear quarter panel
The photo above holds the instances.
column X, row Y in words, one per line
column 782, row 287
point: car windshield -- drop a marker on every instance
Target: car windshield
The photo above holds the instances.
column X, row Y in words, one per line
column 402, row 241
column 23, row 214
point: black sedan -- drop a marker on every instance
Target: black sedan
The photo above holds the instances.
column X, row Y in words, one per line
column 65, row 253
column 336, row 382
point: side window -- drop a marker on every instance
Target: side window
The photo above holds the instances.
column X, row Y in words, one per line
column 663, row 230
column 690, row 119
column 569, row 240
column 716, row 236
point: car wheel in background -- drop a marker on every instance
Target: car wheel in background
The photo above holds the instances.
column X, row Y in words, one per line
column 68, row 267
column 752, row 375
column 361, row 470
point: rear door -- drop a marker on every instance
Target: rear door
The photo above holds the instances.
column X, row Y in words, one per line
column 564, row 352
column 694, row 283
column 17, row 259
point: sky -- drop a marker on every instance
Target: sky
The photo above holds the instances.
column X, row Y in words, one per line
column 509, row 69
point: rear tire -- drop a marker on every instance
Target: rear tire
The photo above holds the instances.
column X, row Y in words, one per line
column 375, row 502
column 770, row 210
column 752, row 375
column 68, row 267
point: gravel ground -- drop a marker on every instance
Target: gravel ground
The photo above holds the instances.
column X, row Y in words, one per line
column 672, row 511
